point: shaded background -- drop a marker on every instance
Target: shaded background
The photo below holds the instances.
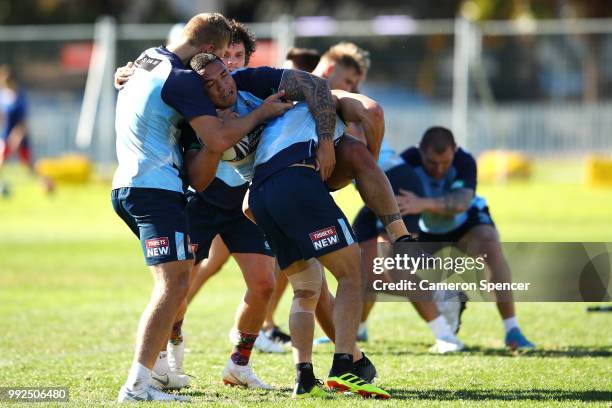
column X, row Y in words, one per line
column 538, row 76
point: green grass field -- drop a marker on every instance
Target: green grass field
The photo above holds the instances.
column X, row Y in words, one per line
column 73, row 285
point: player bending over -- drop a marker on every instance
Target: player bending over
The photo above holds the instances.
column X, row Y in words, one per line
column 451, row 212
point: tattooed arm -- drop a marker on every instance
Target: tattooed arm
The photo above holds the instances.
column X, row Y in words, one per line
column 302, row 86
column 452, row 203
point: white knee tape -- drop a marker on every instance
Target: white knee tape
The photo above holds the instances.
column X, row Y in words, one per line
column 306, row 286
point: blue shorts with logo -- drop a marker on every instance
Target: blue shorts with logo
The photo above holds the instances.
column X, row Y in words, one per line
column 298, row 215
column 366, row 223
column 239, row 234
column 157, row 217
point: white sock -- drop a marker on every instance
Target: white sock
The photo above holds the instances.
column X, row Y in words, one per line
column 363, row 327
column 138, row 377
column 161, row 366
column 440, row 327
column 510, row 323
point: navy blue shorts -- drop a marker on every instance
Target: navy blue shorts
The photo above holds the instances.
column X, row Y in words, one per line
column 476, row 216
column 299, row 216
column 366, row 224
column 239, row 234
column 157, row 217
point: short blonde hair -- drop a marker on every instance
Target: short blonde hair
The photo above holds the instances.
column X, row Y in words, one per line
column 207, row 28
column 349, row 54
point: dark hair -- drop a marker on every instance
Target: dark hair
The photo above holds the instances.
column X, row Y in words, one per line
column 241, row 34
column 437, row 138
column 305, row 59
column 202, row 60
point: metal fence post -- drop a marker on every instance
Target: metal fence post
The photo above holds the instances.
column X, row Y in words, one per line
column 99, row 93
column 284, row 36
column 461, row 79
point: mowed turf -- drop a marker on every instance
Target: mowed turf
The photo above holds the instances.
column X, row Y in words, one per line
column 73, row 285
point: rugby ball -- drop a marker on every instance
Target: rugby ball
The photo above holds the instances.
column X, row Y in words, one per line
column 244, row 147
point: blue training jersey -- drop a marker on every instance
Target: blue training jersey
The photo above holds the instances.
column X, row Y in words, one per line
column 388, row 158
column 231, row 182
column 158, row 98
column 461, row 174
column 288, row 139
column 285, row 140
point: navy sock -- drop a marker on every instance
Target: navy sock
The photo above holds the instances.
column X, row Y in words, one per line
column 342, row 364
column 305, row 375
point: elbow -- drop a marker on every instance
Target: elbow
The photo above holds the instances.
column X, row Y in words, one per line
column 375, row 112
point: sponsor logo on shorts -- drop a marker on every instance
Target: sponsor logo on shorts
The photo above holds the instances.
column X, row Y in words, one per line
column 157, row 246
column 324, row 238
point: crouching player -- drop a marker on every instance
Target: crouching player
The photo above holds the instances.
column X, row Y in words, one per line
column 451, row 212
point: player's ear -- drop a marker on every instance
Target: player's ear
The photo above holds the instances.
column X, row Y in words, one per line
column 330, row 69
column 208, row 48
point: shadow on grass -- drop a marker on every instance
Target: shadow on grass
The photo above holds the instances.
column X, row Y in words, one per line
column 570, row 352
column 431, row 394
column 241, row 393
column 504, row 395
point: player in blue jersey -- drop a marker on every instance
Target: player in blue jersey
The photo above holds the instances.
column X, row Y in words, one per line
column 218, row 227
column 345, row 66
column 147, row 190
column 450, row 211
column 226, row 192
column 244, row 338
column 289, row 144
column 14, row 127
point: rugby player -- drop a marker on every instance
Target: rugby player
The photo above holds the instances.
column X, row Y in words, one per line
column 296, row 139
column 345, row 65
column 13, row 126
column 218, row 210
column 301, row 85
column 451, row 212
column 226, row 193
column 147, row 186
column 355, row 161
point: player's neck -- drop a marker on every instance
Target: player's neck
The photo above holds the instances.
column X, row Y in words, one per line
column 183, row 50
column 318, row 71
